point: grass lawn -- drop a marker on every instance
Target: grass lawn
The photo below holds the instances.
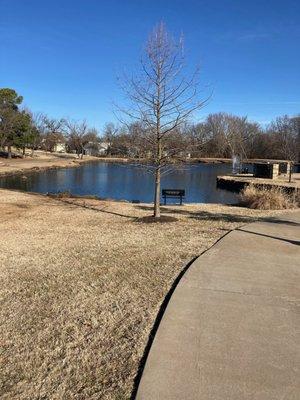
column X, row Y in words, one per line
column 81, row 285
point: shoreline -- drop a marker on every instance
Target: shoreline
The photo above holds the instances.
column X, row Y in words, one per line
column 65, row 196
column 11, row 167
column 45, row 161
column 236, row 183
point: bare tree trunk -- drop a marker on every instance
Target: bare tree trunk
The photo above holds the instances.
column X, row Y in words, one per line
column 157, row 194
column 159, row 146
column 23, row 152
column 290, row 171
column 9, row 151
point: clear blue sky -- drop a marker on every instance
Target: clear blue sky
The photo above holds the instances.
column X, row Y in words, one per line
column 64, row 56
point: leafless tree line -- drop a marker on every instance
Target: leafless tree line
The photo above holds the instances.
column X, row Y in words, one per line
column 73, row 134
column 38, row 131
column 220, row 135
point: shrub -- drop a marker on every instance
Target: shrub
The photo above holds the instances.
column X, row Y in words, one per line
column 265, row 198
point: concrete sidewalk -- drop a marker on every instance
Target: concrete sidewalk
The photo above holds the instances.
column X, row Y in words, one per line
column 231, row 328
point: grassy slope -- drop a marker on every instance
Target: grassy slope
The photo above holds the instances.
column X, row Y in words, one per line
column 80, row 289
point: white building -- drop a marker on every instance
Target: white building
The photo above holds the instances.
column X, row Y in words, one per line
column 96, row 148
column 59, row 147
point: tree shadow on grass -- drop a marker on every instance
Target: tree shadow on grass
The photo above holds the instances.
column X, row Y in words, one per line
column 205, row 215
column 90, row 207
column 198, row 215
column 294, row 242
column 281, row 221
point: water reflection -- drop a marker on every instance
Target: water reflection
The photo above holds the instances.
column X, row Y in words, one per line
column 126, row 182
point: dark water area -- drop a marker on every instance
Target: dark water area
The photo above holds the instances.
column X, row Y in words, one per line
column 126, row 182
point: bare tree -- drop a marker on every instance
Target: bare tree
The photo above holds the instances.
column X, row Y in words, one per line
column 161, row 98
column 286, row 132
column 116, row 139
column 79, row 135
column 52, row 131
column 231, row 135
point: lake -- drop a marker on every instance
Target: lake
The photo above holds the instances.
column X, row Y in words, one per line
column 126, row 182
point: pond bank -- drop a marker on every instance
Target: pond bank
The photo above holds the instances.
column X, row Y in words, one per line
column 40, row 162
column 44, row 161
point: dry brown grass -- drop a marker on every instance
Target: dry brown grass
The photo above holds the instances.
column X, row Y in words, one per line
column 266, row 198
column 41, row 161
column 81, row 284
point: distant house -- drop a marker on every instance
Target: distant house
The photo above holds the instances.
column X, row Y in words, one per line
column 59, row 147
column 50, row 145
column 184, row 154
column 96, row 148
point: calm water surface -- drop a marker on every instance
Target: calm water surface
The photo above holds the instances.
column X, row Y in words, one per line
column 126, row 182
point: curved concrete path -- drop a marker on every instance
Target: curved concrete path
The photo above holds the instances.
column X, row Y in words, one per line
column 231, row 328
